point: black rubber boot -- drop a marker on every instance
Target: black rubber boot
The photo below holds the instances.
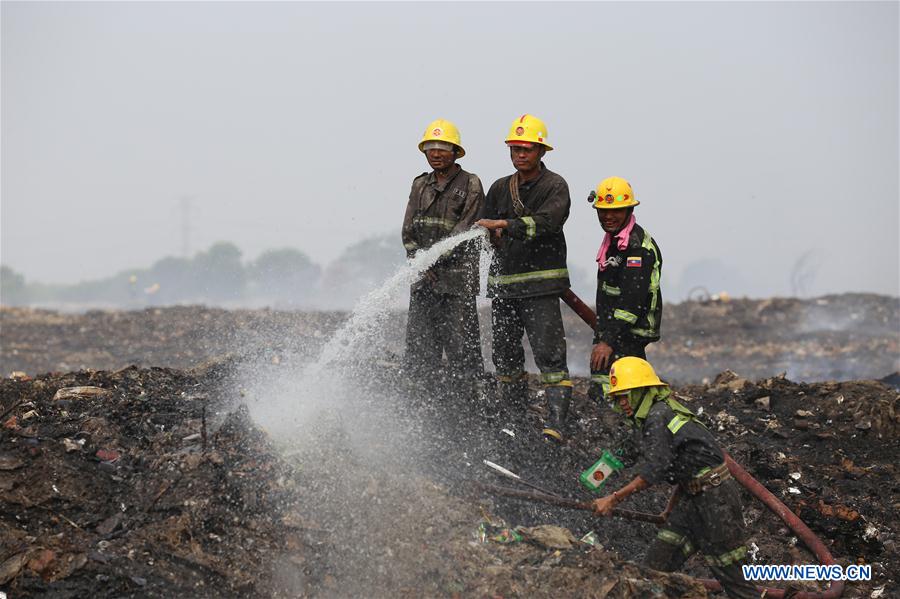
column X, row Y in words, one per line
column 558, row 400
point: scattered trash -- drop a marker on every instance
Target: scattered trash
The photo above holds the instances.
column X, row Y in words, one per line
column 504, row 535
column 508, row 432
column 725, row 420
column 753, row 550
column 85, row 392
column 107, row 455
column 553, row 537
column 594, row 478
column 71, row 445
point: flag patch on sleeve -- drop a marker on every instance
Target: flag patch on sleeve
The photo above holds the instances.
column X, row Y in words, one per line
column 633, row 262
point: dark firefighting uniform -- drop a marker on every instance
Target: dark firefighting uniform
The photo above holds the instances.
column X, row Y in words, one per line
column 629, row 301
column 442, row 315
column 527, row 275
column 676, row 449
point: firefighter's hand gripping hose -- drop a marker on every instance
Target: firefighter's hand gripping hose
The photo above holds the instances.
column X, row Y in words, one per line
column 799, row 528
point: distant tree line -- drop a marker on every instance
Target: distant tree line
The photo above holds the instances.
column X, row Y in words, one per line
column 283, row 277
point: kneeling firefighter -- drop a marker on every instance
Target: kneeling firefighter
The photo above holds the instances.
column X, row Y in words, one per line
column 677, row 449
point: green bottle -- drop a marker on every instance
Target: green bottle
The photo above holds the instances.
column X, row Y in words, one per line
column 596, row 476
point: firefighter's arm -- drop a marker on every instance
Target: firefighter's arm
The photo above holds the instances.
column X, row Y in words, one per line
column 488, row 216
column 407, row 232
column 473, row 206
column 549, row 217
column 604, row 505
column 633, row 287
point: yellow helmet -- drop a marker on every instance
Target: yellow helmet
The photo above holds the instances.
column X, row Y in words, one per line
column 442, row 130
column 528, row 129
column 631, row 373
column 614, row 192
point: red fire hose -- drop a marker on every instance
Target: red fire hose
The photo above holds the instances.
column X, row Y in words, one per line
column 757, row 489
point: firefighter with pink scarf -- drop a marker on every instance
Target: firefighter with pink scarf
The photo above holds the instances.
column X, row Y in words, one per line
column 629, row 301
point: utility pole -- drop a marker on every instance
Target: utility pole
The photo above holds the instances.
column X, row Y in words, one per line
column 185, row 226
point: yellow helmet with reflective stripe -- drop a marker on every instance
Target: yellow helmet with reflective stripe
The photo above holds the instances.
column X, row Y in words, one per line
column 614, row 192
column 631, row 373
column 528, row 129
column 442, row 130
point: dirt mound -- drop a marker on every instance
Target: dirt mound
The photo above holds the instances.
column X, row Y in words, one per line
column 154, row 482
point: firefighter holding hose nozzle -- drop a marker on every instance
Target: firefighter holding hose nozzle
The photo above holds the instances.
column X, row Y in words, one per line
column 525, row 213
column 678, row 449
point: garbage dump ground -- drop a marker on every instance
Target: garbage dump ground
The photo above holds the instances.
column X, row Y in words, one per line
column 136, row 481
column 850, row 336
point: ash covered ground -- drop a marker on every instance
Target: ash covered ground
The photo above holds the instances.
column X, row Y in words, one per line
column 220, row 465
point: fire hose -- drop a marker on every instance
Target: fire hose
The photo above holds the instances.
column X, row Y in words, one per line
column 803, row 532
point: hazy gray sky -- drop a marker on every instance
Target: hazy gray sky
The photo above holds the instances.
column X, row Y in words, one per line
column 753, row 133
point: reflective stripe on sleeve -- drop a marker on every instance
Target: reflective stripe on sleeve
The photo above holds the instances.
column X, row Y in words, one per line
column 610, row 290
column 625, row 315
column 537, row 275
column 643, row 332
column 437, row 222
column 677, row 422
column 530, row 228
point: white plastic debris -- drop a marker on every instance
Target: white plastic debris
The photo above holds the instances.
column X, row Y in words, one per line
column 793, row 490
column 754, row 551
column 795, row 475
column 71, row 445
column 508, row 432
column 804, row 413
column 871, row 532
column 877, row 592
column 79, row 392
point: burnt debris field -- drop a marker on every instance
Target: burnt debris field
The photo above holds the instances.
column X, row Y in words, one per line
column 193, row 452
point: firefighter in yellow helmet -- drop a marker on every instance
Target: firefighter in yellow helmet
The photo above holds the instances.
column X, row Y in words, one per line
column 679, row 450
column 629, row 298
column 442, row 315
column 525, row 213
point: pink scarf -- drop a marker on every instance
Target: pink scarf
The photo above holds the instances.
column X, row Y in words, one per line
column 621, row 242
